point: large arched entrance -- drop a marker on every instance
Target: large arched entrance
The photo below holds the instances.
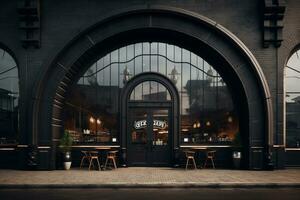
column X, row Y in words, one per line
column 196, row 33
column 205, row 111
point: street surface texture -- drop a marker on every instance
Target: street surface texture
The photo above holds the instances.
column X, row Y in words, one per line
column 150, row 194
column 148, row 176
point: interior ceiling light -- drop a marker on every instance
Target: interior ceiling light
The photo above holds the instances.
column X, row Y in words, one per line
column 194, row 125
column 98, row 121
column 92, row 120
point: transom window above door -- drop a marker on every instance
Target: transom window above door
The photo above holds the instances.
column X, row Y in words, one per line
column 150, row 91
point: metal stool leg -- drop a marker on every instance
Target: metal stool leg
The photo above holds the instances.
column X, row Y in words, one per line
column 212, row 162
column 81, row 162
column 106, row 161
column 195, row 166
column 91, row 161
column 114, row 161
column 187, row 163
column 99, row 167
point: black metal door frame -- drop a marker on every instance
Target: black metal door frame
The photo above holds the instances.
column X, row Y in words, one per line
column 174, row 112
column 150, row 149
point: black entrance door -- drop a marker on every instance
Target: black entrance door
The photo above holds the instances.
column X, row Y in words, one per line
column 149, row 138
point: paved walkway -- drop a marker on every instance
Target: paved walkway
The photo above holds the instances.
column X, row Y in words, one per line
column 149, row 177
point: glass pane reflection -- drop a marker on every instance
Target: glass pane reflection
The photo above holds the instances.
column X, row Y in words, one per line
column 292, row 78
column 150, row 91
column 9, row 99
column 207, row 111
column 138, row 126
column 160, row 127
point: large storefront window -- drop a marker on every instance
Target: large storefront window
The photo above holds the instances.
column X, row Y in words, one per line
column 292, row 78
column 206, row 107
column 9, row 99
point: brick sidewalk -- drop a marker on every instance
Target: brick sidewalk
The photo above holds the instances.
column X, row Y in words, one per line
column 150, row 177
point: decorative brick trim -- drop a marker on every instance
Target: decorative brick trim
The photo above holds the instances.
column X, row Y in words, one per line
column 273, row 22
column 29, row 22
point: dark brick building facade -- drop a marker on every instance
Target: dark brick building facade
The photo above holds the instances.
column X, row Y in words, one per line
column 54, row 42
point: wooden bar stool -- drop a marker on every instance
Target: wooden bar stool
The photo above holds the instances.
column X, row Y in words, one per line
column 190, row 155
column 111, row 156
column 85, row 157
column 210, row 155
column 94, row 156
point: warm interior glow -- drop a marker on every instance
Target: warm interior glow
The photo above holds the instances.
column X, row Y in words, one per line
column 162, row 132
column 194, row 125
column 92, row 120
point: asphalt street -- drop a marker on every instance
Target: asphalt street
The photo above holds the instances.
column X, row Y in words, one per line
column 150, row 194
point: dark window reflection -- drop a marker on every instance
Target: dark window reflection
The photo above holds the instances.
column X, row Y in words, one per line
column 207, row 111
column 92, row 113
column 293, row 101
column 150, row 91
column 138, row 126
column 208, row 116
column 9, row 99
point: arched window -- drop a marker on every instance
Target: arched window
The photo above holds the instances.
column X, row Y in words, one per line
column 292, row 100
column 9, row 98
column 208, row 115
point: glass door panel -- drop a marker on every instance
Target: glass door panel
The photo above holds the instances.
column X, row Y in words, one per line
column 139, row 127
column 160, row 127
column 160, row 151
column 138, row 133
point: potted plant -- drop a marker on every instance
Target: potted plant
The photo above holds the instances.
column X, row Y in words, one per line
column 65, row 145
column 237, row 153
